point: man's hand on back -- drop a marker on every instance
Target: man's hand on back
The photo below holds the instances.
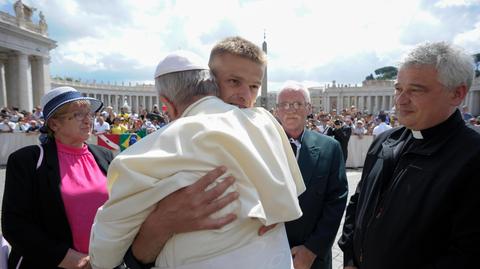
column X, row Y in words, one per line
column 185, row 210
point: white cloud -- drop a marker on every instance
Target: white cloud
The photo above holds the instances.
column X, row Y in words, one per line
column 469, row 40
column 308, row 40
column 450, row 3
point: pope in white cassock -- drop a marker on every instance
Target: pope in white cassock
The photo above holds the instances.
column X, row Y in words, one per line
column 206, row 134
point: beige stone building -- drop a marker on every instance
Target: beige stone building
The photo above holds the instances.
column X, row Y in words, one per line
column 24, row 76
column 137, row 96
column 24, row 58
column 372, row 96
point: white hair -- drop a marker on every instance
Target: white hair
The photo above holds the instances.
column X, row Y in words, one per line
column 180, row 87
column 454, row 66
column 296, row 86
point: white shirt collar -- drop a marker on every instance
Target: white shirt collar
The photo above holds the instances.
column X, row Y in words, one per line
column 417, row 134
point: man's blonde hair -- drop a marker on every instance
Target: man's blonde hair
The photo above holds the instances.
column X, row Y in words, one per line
column 238, row 46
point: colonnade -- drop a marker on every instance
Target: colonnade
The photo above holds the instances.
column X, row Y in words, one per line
column 136, row 97
column 23, row 79
column 24, row 58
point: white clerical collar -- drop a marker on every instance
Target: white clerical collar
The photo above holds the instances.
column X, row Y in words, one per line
column 417, row 134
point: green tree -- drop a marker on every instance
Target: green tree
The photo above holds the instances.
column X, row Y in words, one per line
column 369, row 77
column 386, row 72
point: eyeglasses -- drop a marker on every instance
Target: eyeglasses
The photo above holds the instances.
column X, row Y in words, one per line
column 81, row 115
column 287, row 105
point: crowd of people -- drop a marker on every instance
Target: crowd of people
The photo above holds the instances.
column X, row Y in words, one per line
column 124, row 121
column 228, row 185
column 106, row 121
column 13, row 120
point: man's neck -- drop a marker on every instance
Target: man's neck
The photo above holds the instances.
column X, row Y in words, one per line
column 183, row 107
column 295, row 134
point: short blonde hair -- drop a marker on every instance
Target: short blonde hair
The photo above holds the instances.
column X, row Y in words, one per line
column 238, row 46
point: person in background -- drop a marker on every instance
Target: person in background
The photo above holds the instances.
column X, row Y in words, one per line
column 359, row 130
column 38, row 114
column 148, row 124
column 473, row 123
column 6, row 126
column 382, row 127
column 110, row 115
column 341, row 133
column 118, row 127
column 466, row 114
column 101, row 126
column 22, row 125
column 15, row 116
column 124, row 113
column 52, row 191
column 321, row 162
column 415, row 204
column 33, row 127
column 155, row 109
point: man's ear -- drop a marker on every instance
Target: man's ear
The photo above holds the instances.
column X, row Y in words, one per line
column 458, row 94
column 171, row 108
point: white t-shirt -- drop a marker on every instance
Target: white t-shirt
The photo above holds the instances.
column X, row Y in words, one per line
column 101, row 128
column 4, row 127
column 382, row 127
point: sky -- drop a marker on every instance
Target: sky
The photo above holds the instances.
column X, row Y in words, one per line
column 311, row 41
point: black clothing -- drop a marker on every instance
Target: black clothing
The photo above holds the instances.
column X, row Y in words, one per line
column 34, row 221
column 342, row 135
column 324, row 200
column 416, row 203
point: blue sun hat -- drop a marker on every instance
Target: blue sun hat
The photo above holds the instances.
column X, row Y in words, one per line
column 57, row 97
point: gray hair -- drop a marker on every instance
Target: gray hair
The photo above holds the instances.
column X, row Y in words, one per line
column 181, row 87
column 296, row 86
column 453, row 65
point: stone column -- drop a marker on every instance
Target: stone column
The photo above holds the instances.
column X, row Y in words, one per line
column 105, row 100
column 11, row 81
column 369, row 104
column 114, row 103
column 148, row 103
column 3, row 91
column 339, row 103
column 19, row 91
column 325, row 102
column 132, row 104
column 40, row 78
column 129, row 101
column 144, row 102
column 137, row 104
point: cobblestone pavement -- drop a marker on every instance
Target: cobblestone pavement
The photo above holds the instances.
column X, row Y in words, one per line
column 353, row 178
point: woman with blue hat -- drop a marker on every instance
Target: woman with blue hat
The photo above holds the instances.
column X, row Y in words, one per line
column 53, row 190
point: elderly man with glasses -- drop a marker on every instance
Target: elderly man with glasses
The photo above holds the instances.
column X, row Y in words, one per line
column 321, row 163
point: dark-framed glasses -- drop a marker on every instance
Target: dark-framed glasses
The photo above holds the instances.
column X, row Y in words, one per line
column 287, row 105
